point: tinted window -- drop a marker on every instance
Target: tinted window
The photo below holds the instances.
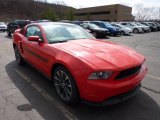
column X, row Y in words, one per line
column 101, row 25
column 124, row 23
column 84, row 26
column 95, row 23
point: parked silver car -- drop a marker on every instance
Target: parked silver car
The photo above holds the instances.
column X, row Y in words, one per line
column 3, row 26
column 135, row 28
column 145, row 27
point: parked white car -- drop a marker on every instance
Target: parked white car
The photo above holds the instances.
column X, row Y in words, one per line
column 145, row 28
column 124, row 30
column 135, row 28
column 3, row 27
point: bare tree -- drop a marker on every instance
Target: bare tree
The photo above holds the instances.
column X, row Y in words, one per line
column 59, row 2
column 143, row 13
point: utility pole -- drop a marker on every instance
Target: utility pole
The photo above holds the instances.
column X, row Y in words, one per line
column 159, row 14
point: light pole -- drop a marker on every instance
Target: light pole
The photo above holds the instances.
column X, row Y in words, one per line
column 159, row 14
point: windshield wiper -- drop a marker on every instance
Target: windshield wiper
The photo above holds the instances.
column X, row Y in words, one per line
column 59, row 41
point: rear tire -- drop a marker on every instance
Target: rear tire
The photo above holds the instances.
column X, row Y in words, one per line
column 65, row 86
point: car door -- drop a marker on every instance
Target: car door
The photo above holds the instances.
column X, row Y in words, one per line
column 36, row 52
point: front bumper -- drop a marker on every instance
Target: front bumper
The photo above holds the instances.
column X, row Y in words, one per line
column 99, row 91
column 146, row 30
column 128, row 32
column 103, row 33
column 3, row 29
column 115, row 32
column 117, row 99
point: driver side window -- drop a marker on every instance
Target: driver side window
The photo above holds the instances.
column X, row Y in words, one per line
column 33, row 31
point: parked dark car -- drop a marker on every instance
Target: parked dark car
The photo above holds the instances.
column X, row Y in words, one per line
column 11, row 27
column 158, row 25
column 151, row 25
column 113, row 30
column 44, row 20
column 95, row 30
column 77, row 22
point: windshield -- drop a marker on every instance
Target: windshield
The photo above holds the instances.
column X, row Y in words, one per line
column 139, row 24
column 151, row 24
column 107, row 24
column 134, row 24
column 1, row 23
column 93, row 26
column 63, row 32
column 121, row 26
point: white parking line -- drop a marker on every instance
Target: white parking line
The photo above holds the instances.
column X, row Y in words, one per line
column 153, row 77
column 65, row 112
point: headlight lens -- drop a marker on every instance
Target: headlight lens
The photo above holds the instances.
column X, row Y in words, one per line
column 114, row 29
column 99, row 75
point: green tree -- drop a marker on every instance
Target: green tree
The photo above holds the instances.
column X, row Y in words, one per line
column 50, row 15
column 70, row 14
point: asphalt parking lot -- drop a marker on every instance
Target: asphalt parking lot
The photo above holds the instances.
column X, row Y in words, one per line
column 26, row 95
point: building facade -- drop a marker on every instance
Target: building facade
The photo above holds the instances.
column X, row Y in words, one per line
column 110, row 13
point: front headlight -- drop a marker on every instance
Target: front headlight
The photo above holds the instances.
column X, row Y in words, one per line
column 99, row 75
column 114, row 29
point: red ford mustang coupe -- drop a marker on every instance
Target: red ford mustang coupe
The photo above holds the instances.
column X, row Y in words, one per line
column 80, row 66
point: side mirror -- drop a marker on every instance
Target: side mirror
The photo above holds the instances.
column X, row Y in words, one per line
column 17, row 30
column 34, row 38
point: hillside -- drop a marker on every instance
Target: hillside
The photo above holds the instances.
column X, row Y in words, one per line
column 30, row 9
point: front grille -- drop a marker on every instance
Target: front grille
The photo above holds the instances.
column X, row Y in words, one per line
column 128, row 72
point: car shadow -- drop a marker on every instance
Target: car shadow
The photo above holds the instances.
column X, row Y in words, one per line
column 9, row 37
column 116, row 35
column 107, row 37
column 141, row 107
column 128, row 35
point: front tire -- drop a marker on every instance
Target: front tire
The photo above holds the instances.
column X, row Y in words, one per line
column 95, row 34
column 135, row 30
column 122, row 33
column 65, row 86
column 18, row 56
column 8, row 34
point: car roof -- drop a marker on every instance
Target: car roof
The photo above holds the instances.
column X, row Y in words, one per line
column 52, row 23
column 23, row 20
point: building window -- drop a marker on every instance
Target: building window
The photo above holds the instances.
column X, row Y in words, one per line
column 93, row 13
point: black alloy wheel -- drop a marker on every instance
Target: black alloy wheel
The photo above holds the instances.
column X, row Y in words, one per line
column 18, row 56
column 65, row 86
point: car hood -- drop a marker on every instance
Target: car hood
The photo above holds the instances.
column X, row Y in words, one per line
column 100, row 29
column 104, row 29
column 3, row 26
column 127, row 29
column 102, row 54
